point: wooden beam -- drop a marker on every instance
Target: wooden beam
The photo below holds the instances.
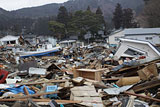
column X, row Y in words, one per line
column 110, row 79
column 146, row 97
column 50, row 81
column 146, row 85
column 25, row 91
column 40, row 100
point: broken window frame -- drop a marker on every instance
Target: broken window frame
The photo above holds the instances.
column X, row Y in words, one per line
column 137, row 52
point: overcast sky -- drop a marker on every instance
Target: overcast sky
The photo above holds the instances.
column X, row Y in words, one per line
column 17, row 4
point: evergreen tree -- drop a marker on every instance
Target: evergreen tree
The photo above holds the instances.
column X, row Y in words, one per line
column 62, row 16
column 57, row 28
column 127, row 18
column 101, row 17
column 117, row 16
column 151, row 14
column 88, row 8
column 99, row 11
column 146, row 1
column 84, row 22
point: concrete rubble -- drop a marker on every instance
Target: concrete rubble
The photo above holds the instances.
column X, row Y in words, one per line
column 86, row 76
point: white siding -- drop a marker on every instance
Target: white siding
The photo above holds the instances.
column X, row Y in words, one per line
column 114, row 36
column 143, row 47
column 155, row 38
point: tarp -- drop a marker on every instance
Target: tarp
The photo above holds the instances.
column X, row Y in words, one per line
column 20, row 90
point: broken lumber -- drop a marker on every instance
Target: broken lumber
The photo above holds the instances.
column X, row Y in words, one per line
column 50, row 81
column 146, row 97
column 40, row 100
column 147, row 72
column 25, row 91
column 146, row 85
column 128, row 81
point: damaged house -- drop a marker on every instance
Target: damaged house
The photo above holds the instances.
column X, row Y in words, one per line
column 136, row 48
column 9, row 40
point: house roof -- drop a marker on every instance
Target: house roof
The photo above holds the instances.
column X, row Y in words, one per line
column 116, row 31
column 9, row 38
column 140, row 31
column 142, row 42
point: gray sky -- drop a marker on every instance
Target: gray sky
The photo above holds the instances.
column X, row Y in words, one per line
column 17, row 4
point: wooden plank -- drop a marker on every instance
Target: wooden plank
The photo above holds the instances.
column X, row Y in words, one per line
column 25, row 91
column 148, row 72
column 98, row 76
column 128, row 81
column 85, row 93
column 34, row 83
column 146, row 97
column 40, row 100
column 83, row 88
column 89, row 99
column 90, row 70
column 146, row 85
column 110, row 79
column 75, row 73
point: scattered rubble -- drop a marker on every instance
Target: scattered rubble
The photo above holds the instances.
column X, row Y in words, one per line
column 79, row 77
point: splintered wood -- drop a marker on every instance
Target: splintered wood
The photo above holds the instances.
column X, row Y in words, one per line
column 86, row 94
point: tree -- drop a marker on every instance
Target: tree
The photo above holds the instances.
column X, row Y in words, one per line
column 151, row 14
column 62, row 16
column 146, row 1
column 128, row 19
column 88, row 8
column 117, row 16
column 57, row 28
column 86, row 21
column 101, row 17
column 99, row 11
column 41, row 26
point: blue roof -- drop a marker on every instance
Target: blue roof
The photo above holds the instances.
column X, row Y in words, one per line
column 140, row 31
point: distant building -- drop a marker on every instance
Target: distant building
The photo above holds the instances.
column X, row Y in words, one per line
column 113, row 38
column 9, row 40
column 67, row 43
column 151, row 35
column 34, row 39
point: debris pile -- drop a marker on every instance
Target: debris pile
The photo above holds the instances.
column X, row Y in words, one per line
column 77, row 77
